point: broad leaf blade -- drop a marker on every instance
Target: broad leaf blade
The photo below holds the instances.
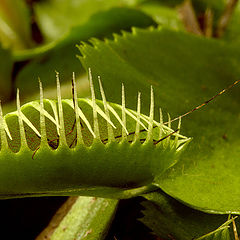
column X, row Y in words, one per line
column 220, row 233
column 167, row 217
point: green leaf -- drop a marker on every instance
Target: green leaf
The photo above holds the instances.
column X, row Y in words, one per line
column 88, row 219
column 220, row 233
column 184, row 70
column 56, row 18
column 167, row 217
column 15, row 24
column 61, row 55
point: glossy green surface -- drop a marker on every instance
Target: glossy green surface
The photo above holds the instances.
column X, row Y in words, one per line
column 96, row 165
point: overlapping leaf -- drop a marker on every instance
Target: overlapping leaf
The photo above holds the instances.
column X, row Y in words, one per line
column 61, row 55
column 169, row 219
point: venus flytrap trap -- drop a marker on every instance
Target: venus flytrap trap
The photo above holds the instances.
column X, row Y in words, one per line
column 84, row 146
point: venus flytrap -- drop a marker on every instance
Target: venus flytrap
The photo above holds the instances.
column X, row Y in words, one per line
column 83, row 147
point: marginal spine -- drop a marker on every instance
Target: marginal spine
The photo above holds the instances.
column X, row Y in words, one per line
column 109, row 127
column 20, row 121
column 137, row 131
column 95, row 117
column 78, row 124
column 124, row 135
column 62, row 136
column 4, row 142
column 42, row 118
column 151, row 116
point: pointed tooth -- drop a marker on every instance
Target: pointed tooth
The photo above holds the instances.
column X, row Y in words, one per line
column 151, row 115
column 183, row 144
column 176, row 136
column 169, row 120
column 79, row 129
column 111, row 109
column 28, row 122
column 46, row 114
column 179, row 124
column 5, row 126
column 137, row 131
column 7, row 129
column 83, row 117
column 100, row 112
column 161, row 124
column 165, row 129
column 42, row 117
column 169, row 125
column 124, row 135
column 21, row 126
column 130, row 114
column 95, row 118
column 109, row 127
column 146, row 119
column 62, row 136
column 81, row 114
column 4, row 142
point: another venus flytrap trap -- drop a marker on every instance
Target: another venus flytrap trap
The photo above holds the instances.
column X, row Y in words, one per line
column 84, row 146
